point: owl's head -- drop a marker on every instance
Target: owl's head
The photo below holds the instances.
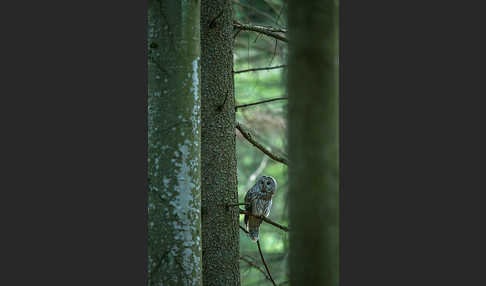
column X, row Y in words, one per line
column 267, row 184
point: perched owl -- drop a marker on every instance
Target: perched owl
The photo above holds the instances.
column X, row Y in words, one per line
column 259, row 202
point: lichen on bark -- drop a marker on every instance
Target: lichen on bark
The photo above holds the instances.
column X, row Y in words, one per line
column 174, row 203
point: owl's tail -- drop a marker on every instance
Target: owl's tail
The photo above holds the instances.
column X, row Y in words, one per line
column 253, row 235
column 253, row 226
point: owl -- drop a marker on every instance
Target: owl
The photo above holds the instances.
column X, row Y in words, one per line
column 258, row 202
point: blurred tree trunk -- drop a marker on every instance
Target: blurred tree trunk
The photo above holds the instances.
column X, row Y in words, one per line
column 174, row 242
column 313, row 142
column 218, row 146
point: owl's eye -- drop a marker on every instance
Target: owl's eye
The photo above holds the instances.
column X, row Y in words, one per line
column 268, row 183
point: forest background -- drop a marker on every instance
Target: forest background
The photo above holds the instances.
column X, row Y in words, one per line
column 267, row 123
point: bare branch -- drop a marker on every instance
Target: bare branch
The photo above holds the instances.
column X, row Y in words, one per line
column 248, row 137
column 259, row 102
column 261, row 69
column 268, row 31
column 280, row 13
column 274, row 51
column 263, row 260
column 257, row 28
column 253, row 264
column 266, row 220
column 268, row 16
column 236, row 35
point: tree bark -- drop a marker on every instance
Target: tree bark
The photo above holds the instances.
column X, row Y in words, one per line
column 174, row 202
column 220, row 229
column 313, row 142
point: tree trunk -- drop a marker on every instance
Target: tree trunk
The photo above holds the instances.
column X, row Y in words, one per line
column 218, row 146
column 174, row 242
column 313, row 142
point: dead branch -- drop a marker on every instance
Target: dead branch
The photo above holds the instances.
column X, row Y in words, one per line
column 248, row 137
column 266, row 28
column 259, row 102
column 264, row 14
column 253, row 264
column 274, row 51
column 267, row 220
column 265, row 264
column 268, row 31
column 261, row 69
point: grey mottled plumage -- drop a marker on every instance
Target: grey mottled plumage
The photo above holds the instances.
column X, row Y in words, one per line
column 259, row 203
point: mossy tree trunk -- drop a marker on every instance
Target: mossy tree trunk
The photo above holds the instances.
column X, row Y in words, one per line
column 220, row 241
column 174, row 203
column 313, row 142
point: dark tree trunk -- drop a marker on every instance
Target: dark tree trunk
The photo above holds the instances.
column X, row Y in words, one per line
column 174, row 202
column 313, row 142
column 218, row 150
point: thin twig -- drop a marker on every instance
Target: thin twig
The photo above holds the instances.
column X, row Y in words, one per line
column 253, row 264
column 268, row 16
column 256, row 38
column 274, row 52
column 280, row 13
column 266, row 220
column 263, row 260
column 268, row 31
column 259, row 102
column 248, row 137
column 261, row 69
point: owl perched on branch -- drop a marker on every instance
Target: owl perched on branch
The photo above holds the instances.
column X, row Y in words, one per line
column 258, row 203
